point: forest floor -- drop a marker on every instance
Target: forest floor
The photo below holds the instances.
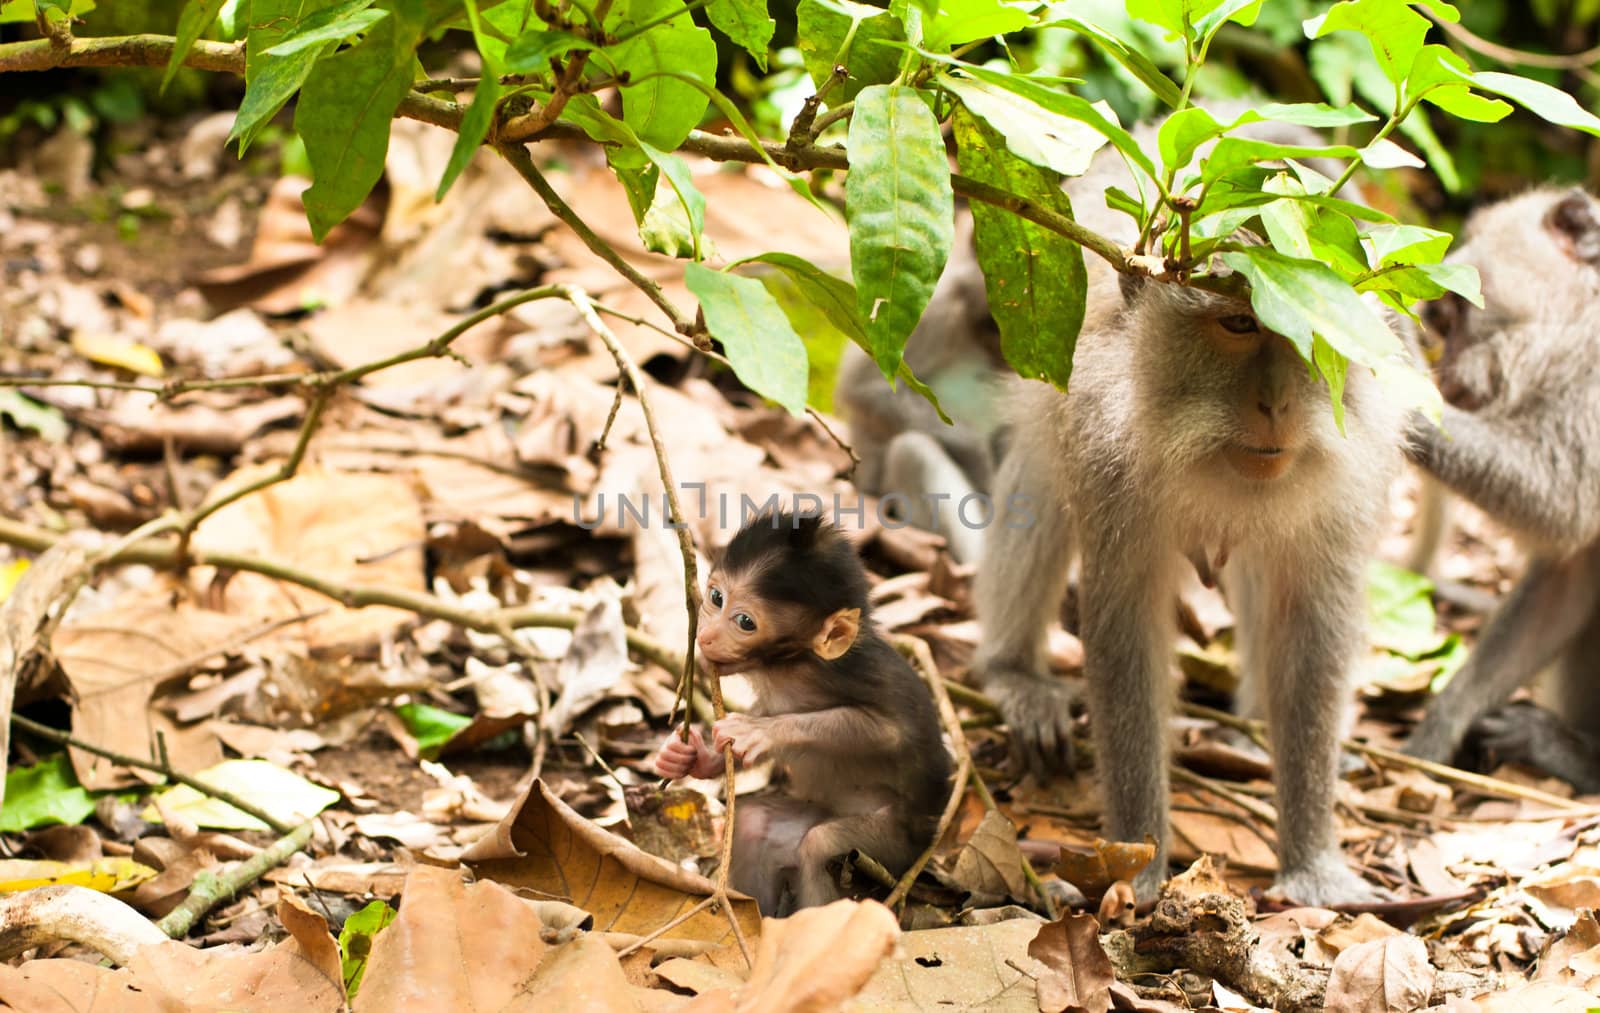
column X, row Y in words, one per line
column 437, row 505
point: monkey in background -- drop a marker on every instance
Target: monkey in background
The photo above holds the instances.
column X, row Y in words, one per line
column 906, row 450
column 1521, row 432
column 861, row 762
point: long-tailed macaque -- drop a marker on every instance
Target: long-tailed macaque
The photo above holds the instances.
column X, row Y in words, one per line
column 1520, row 437
column 906, row 450
column 861, row 763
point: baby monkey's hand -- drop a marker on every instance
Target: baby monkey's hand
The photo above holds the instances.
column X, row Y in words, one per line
column 681, row 759
column 751, row 737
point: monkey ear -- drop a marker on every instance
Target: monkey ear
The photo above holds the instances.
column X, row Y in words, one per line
column 1573, row 222
column 838, row 634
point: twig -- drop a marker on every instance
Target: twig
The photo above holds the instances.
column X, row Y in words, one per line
column 922, row 660
column 521, row 161
column 1555, row 61
column 816, row 416
column 1480, row 782
column 163, row 555
column 659, row 931
column 691, row 588
column 210, row 889
column 124, row 760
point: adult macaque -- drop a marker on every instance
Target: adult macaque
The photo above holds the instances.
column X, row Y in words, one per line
column 861, row 763
column 1521, row 431
column 907, row 452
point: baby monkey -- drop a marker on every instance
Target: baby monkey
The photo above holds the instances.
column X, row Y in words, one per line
column 860, row 763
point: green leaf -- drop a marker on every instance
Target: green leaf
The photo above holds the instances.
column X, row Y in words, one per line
column 1437, row 75
column 901, row 211
column 747, row 24
column 335, row 24
column 195, row 18
column 1061, row 103
column 1306, row 299
column 432, row 727
column 1400, row 610
column 530, row 52
column 271, row 80
column 1395, row 31
column 765, row 352
column 1551, row 104
column 344, row 114
column 355, row 942
column 485, row 98
column 1034, row 277
column 1242, row 11
column 822, row 29
column 834, row 296
column 1406, row 244
column 1135, row 62
column 585, row 111
column 659, row 107
column 960, row 21
column 1236, row 152
column 45, row 793
column 26, row 413
column 1045, row 138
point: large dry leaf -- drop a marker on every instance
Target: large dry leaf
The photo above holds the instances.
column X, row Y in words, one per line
column 592, row 666
column 964, row 968
column 545, row 847
column 357, row 529
column 1574, row 959
column 301, row 973
column 989, row 866
column 114, row 661
column 1080, row 975
column 1380, row 975
column 816, row 960
column 1094, row 871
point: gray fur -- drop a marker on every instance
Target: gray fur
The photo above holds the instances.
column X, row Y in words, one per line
column 1127, row 468
column 1518, row 441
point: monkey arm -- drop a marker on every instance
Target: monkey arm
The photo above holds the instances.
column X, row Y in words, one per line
column 1538, row 484
column 842, row 729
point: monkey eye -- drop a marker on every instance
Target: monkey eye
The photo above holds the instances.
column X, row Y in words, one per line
column 716, row 597
column 1239, row 323
column 744, row 622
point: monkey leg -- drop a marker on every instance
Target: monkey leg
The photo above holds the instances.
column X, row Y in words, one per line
column 1542, row 616
column 1303, row 624
column 1532, row 736
column 1127, row 626
column 1018, row 593
column 881, row 834
column 937, row 490
column 767, row 834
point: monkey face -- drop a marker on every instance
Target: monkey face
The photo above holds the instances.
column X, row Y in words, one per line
column 741, row 629
column 1241, row 391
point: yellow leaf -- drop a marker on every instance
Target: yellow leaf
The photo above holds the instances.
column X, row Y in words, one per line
column 112, row 351
column 289, row 797
column 107, row 875
column 9, row 575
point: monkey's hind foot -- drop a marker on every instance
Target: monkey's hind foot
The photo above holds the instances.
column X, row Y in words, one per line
column 1038, row 710
column 1328, row 881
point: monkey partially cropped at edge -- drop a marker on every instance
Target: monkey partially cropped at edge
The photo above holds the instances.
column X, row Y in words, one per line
column 861, row 763
column 1520, row 439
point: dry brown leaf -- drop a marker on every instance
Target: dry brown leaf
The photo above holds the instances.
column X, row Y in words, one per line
column 301, row 973
column 1571, row 886
column 114, row 661
column 989, row 865
column 817, row 959
column 1197, row 834
column 381, row 880
column 964, row 968
column 1094, row 871
column 1380, row 975
column 546, row 847
column 1538, row 997
column 1080, row 975
column 287, row 269
column 1574, row 959
column 358, row 529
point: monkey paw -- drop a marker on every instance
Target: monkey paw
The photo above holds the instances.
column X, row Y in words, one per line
column 1038, row 710
column 1432, row 740
column 1520, row 733
column 751, row 736
column 1327, row 881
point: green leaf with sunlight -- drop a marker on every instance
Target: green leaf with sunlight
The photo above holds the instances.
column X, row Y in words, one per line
column 842, row 33
column 42, row 794
column 766, row 354
column 901, row 212
column 1032, row 132
column 659, row 107
column 1035, row 278
column 746, row 23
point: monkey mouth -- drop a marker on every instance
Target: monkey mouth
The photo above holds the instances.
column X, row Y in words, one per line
column 1259, row 463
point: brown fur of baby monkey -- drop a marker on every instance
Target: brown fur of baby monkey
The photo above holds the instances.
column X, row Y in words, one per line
column 861, row 764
